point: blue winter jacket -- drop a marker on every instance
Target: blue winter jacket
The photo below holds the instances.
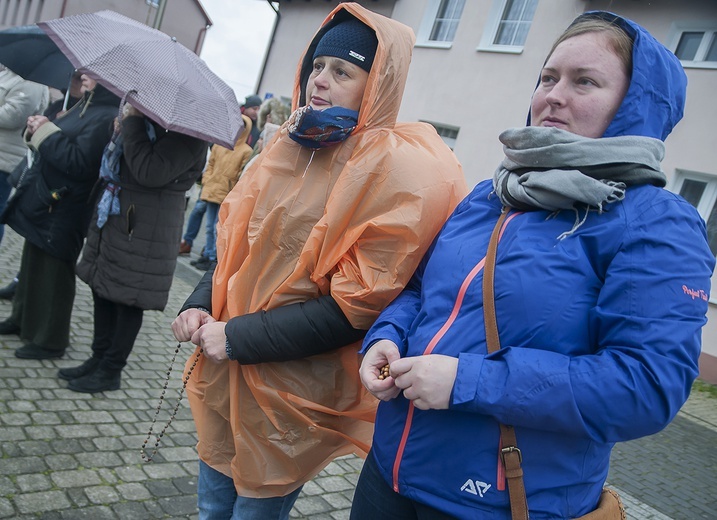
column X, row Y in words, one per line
column 600, row 336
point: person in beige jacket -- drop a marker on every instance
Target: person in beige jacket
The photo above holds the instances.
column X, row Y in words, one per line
column 221, row 174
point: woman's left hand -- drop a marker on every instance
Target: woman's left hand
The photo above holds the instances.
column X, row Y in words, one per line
column 426, row 380
column 128, row 110
column 213, row 339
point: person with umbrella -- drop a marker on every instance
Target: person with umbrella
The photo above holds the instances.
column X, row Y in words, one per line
column 51, row 212
column 130, row 253
column 320, row 233
column 71, row 96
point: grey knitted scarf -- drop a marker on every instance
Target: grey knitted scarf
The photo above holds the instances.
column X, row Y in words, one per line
column 551, row 169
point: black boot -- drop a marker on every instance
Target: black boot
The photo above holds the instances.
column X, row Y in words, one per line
column 8, row 327
column 204, row 264
column 32, row 351
column 101, row 380
column 89, row 366
column 8, row 292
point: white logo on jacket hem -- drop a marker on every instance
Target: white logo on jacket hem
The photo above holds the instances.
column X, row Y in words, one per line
column 475, row 487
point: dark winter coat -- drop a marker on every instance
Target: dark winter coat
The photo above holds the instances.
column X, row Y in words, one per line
column 52, row 209
column 131, row 259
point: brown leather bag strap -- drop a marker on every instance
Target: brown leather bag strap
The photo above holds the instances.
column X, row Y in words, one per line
column 491, row 323
column 510, row 454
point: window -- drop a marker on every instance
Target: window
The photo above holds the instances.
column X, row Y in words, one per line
column 700, row 190
column 449, row 134
column 440, row 22
column 153, row 3
column 508, row 25
column 695, row 45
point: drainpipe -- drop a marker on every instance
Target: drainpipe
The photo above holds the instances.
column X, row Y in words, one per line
column 160, row 14
column 268, row 49
column 62, row 9
column 200, row 39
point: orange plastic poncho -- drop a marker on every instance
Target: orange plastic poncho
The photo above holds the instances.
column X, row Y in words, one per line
column 352, row 220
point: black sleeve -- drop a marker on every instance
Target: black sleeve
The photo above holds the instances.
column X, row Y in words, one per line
column 202, row 295
column 291, row 332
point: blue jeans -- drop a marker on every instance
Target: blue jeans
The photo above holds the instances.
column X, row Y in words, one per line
column 210, row 248
column 217, row 499
column 194, row 222
column 375, row 499
column 5, row 189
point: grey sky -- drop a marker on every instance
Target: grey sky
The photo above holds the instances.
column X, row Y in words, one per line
column 235, row 45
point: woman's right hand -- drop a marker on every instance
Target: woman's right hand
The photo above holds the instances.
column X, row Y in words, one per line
column 35, row 122
column 188, row 322
column 380, row 354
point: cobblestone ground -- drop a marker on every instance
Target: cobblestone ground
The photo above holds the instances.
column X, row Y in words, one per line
column 66, row 455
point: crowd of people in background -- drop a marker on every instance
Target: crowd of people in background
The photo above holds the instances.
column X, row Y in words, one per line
column 358, row 297
column 261, row 120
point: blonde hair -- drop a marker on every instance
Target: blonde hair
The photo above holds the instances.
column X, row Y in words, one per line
column 620, row 41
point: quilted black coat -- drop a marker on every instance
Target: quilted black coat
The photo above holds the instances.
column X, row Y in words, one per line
column 131, row 259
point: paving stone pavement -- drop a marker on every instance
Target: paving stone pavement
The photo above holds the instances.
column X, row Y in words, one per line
column 71, row 456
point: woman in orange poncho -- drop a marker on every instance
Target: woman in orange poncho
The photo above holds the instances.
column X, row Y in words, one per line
column 322, row 231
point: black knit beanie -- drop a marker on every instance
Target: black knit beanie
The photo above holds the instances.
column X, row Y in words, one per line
column 350, row 40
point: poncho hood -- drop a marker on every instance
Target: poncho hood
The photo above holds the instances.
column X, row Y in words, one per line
column 387, row 78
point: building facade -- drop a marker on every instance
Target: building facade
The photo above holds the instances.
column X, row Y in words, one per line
column 186, row 20
column 476, row 63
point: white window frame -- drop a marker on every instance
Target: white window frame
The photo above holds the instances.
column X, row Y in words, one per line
column 490, row 31
column 424, row 31
column 707, row 202
column 710, row 30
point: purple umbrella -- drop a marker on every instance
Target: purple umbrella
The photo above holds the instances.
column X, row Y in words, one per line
column 158, row 75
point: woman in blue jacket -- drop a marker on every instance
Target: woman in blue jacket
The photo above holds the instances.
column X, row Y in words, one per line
column 602, row 281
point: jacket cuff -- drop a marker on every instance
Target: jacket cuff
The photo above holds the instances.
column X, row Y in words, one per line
column 201, row 297
column 43, row 133
column 465, row 387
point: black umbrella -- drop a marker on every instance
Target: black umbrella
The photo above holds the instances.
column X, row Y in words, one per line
column 31, row 54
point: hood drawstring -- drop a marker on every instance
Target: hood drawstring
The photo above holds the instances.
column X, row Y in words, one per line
column 309, row 163
column 87, row 103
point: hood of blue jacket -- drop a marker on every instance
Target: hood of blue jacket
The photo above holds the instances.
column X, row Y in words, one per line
column 655, row 100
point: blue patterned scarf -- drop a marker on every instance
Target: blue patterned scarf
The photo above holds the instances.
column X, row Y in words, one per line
column 109, row 204
column 321, row 128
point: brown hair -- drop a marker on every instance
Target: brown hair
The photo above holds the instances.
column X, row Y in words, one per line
column 619, row 39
